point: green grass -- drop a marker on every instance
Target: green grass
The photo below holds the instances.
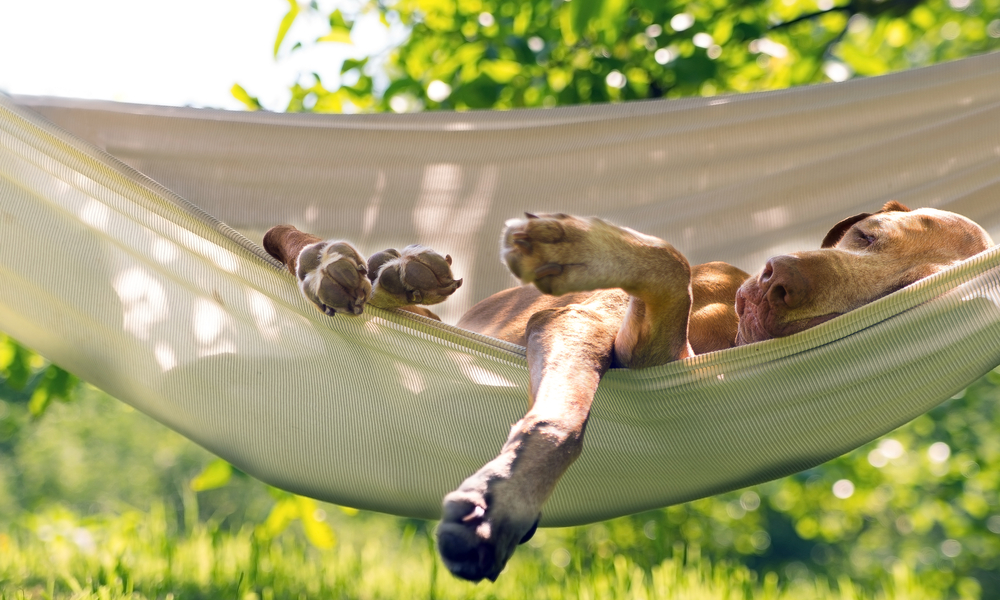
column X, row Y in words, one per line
column 138, row 555
column 96, row 502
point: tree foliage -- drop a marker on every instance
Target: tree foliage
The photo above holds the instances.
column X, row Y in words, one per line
column 504, row 53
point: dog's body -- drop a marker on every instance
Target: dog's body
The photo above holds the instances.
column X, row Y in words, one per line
column 599, row 296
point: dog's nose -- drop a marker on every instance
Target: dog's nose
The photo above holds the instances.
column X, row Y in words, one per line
column 783, row 283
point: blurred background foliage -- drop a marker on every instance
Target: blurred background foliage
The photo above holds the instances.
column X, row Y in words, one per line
column 923, row 501
column 501, row 54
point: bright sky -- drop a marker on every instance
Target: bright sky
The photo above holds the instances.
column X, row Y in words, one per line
column 170, row 52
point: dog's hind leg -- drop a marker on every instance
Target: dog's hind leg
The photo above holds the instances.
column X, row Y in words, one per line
column 562, row 254
column 498, row 507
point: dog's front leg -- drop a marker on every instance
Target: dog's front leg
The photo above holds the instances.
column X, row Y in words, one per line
column 498, row 507
column 336, row 278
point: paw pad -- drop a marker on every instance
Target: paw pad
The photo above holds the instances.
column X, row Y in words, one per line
column 332, row 275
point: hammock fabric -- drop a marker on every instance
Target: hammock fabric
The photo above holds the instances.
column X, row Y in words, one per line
column 124, row 283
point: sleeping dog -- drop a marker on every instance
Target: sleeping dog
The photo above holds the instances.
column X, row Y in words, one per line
column 599, row 296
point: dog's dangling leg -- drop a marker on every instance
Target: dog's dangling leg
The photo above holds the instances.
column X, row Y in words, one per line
column 569, row 350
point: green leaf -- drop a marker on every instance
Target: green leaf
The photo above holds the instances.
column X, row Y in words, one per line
column 583, row 11
column 216, row 474
column 281, row 516
column 569, row 34
column 340, row 29
column 723, row 31
column 923, row 17
column 362, row 90
column 353, row 63
column 400, row 86
column 500, row 71
column 317, row 532
column 523, row 19
column 52, row 384
column 558, row 79
column 60, row 383
column 482, row 92
column 898, row 33
column 609, row 22
column 241, row 94
column 40, row 400
column 330, row 103
column 18, row 368
column 286, row 24
column 337, row 21
column 7, row 350
column 338, row 35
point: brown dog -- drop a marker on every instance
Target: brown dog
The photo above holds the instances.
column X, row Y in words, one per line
column 604, row 296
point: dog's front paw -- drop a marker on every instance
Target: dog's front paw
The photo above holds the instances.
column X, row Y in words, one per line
column 333, row 276
column 417, row 275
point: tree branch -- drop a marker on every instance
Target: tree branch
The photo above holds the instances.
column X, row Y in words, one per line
column 812, row 15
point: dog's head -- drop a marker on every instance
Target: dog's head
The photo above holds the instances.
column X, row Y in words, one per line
column 862, row 258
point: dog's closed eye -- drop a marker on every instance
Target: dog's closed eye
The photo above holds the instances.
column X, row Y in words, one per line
column 866, row 239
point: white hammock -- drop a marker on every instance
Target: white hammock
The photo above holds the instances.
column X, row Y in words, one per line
column 122, row 282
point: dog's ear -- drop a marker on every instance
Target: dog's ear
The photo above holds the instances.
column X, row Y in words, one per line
column 894, row 206
column 841, row 228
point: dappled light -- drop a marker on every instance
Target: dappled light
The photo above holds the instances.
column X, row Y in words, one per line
column 265, row 314
column 144, row 301
column 164, row 251
column 165, row 356
column 211, row 328
column 454, row 200
column 475, row 371
column 410, row 378
column 94, row 214
column 770, row 219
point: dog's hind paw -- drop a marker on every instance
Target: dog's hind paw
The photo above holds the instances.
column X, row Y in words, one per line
column 482, row 524
column 333, row 276
column 555, row 252
column 417, row 275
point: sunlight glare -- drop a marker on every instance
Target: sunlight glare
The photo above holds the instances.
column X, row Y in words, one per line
column 843, row 489
column 682, row 21
column 938, row 452
column 438, row 90
column 836, row 70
